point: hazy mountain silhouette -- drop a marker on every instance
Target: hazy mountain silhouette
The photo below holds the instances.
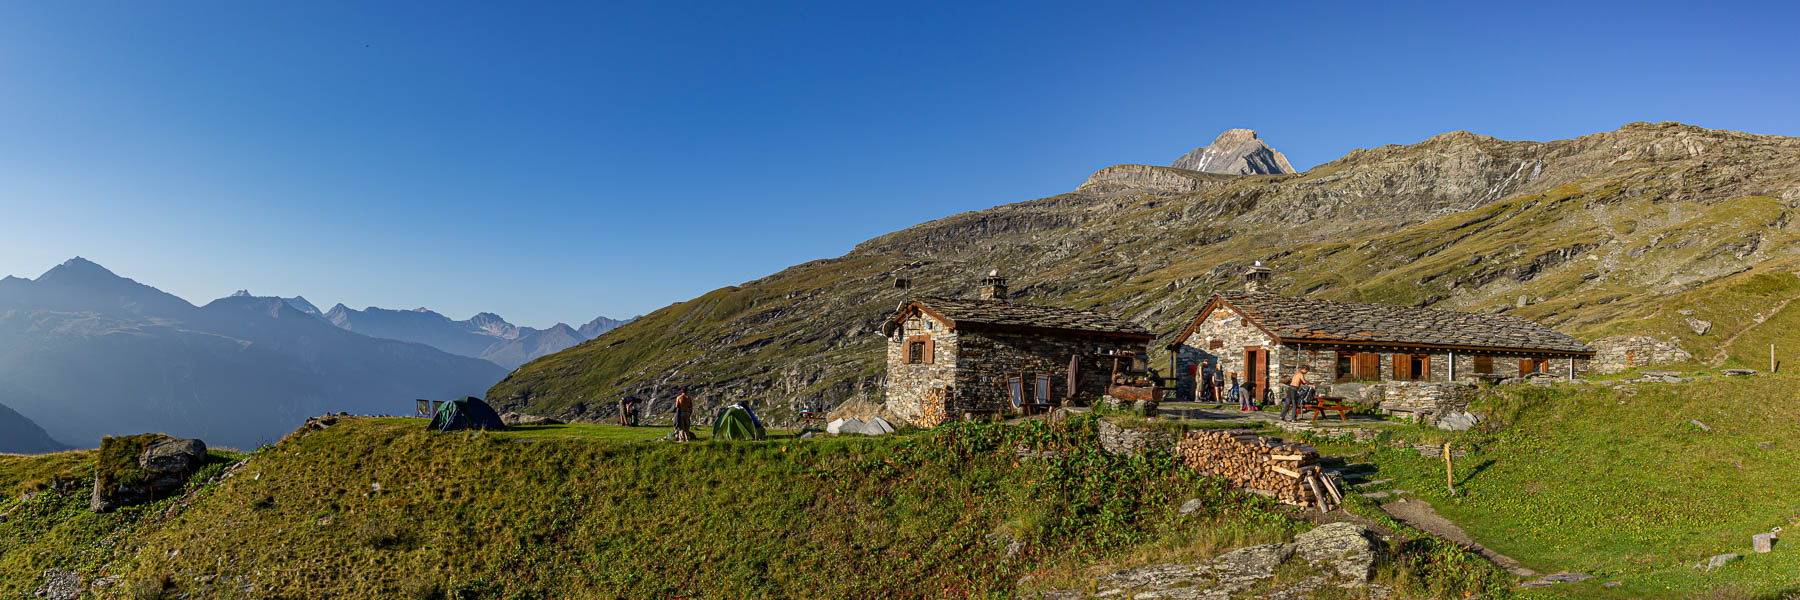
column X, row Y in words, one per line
column 86, row 353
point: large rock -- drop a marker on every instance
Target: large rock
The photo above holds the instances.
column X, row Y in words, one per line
column 843, row 426
column 59, row 585
column 142, row 468
column 513, row 418
column 1338, row 555
column 878, row 426
column 1348, row 549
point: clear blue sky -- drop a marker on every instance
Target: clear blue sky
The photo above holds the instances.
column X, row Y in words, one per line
column 558, row 162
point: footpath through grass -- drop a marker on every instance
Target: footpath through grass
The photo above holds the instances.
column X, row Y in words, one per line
column 1621, row 485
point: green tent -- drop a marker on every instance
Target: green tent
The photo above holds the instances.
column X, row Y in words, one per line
column 467, row 412
column 735, row 423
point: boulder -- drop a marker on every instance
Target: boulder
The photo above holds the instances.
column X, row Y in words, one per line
column 1348, row 549
column 513, row 418
column 1192, row 506
column 1700, row 326
column 59, row 585
column 143, row 468
column 1720, row 561
column 1697, row 423
column 1737, row 372
column 878, row 426
column 1457, row 421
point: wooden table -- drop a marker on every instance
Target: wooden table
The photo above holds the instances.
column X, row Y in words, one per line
column 1327, row 403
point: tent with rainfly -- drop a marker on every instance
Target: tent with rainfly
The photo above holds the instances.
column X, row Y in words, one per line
column 736, row 422
column 467, row 412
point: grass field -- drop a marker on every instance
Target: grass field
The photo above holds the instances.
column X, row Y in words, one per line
column 1619, row 484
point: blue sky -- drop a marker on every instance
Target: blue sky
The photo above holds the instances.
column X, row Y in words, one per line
column 555, row 162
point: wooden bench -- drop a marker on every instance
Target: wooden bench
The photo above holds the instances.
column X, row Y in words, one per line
column 812, row 418
column 1322, row 404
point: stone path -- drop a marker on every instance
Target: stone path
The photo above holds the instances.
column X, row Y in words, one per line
column 1420, row 515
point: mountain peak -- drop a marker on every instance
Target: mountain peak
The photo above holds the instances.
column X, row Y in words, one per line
column 78, row 269
column 240, row 294
column 1236, row 152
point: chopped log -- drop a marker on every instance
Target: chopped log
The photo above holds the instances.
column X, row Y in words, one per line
column 1293, row 474
column 1313, row 482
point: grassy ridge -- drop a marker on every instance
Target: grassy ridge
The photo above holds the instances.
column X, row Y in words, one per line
column 1620, row 485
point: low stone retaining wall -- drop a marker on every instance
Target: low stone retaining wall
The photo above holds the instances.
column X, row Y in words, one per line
column 1618, row 353
column 1128, row 441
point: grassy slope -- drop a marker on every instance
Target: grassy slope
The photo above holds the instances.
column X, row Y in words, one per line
column 488, row 516
column 1619, row 484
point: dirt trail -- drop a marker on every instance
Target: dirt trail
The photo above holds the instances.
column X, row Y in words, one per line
column 1720, row 356
column 1421, row 516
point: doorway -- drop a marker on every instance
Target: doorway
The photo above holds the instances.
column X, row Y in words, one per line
column 1256, row 372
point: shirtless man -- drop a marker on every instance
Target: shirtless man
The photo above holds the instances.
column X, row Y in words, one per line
column 684, row 415
column 1299, row 391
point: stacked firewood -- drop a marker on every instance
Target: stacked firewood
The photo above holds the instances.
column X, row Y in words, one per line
column 1287, row 472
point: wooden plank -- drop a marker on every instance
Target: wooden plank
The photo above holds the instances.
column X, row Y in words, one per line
column 1293, row 474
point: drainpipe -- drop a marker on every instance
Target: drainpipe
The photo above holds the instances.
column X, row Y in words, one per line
column 1571, row 368
column 1452, row 366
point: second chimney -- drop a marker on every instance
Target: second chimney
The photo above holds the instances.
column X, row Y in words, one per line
column 994, row 287
column 1256, row 278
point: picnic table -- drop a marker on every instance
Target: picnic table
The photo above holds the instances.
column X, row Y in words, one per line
column 1322, row 404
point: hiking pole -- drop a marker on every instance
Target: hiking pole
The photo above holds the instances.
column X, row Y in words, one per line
column 1449, row 472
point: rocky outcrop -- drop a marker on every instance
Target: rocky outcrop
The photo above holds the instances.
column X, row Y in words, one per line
column 1235, row 152
column 136, row 469
column 1143, row 177
column 1341, row 555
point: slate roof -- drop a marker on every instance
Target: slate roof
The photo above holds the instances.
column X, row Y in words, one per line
column 1314, row 320
column 990, row 314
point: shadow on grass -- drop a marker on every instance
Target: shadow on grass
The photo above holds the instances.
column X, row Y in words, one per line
column 1473, row 472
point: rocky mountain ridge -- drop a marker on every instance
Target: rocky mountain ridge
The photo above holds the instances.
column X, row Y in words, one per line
column 1235, row 152
column 486, row 335
column 1605, row 234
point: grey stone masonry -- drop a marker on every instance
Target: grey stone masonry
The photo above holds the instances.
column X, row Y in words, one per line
column 986, row 358
column 1618, row 353
column 909, row 383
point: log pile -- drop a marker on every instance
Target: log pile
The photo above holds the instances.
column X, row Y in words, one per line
column 1287, row 472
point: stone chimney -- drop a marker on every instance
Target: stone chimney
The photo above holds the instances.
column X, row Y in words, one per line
column 993, row 287
column 1256, row 278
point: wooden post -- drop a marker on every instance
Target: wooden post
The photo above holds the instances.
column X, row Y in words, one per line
column 1771, row 358
column 1449, row 472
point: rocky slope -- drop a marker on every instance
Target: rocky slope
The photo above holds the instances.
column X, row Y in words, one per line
column 1235, row 152
column 1629, row 231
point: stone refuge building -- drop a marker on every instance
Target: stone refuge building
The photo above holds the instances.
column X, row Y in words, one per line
column 961, row 352
column 1350, row 345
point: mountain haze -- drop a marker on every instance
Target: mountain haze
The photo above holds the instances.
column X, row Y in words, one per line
column 486, row 335
column 86, row 353
column 18, row 435
column 1634, row 231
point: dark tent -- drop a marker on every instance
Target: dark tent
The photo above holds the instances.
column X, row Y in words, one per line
column 736, row 423
column 467, row 412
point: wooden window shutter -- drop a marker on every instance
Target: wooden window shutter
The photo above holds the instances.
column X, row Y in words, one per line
column 1424, row 367
column 930, row 349
column 1484, row 364
column 1524, row 367
column 1402, row 367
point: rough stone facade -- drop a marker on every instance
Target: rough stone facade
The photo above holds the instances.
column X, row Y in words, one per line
column 984, row 360
column 1618, row 353
column 1234, row 335
column 909, row 383
column 974, row 365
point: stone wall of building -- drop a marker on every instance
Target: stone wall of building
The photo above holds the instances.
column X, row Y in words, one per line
column 1234, row 333
column 1424, row 401
column 1618, row 353
column 987, row 358
column 908, row 384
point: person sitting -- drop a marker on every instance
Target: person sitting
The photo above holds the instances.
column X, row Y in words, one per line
column 628, row 413
column 1298, row 393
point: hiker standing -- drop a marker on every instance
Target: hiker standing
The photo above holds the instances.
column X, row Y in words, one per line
column 628, row 411
column 1299, row 391
column 1237, row 393
column 684, row 415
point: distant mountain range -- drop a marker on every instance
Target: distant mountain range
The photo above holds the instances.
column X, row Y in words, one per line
column 86, row 353
column 485, row 336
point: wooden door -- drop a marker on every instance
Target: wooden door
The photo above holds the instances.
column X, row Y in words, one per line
column 1256, row 371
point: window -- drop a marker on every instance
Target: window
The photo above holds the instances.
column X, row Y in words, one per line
column 918, row 350
column 1346, row 365
column 1412, row 367
column 1528, row 366
column 1215, row 344
column 1484, row 365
